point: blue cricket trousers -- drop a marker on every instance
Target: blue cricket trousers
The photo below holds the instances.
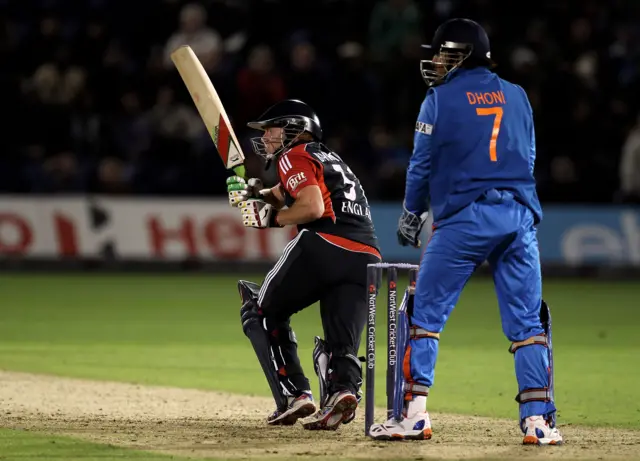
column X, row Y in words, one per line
column 500, row 230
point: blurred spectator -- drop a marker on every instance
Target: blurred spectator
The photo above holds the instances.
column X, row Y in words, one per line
column 46, row 44
column 59, row 173
column 205, row 42
column 259, row 84
column 112, row 177
column 307, row 80
column 45, row 94
column 391, row 157
column 92, row 101
column 170, row 119
column 92, row 42
column 401, row 83
column 355, row 100
column 129, row 128
column 630, row 167
column 391, row 21
column 44, row 84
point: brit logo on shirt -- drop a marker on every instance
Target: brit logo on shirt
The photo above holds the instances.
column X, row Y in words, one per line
column 294, row 181
column 424, row 128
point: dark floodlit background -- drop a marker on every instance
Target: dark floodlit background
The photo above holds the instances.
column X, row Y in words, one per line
column 94, row 111
column 91, row 101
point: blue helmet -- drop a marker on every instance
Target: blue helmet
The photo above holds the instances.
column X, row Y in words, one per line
column 455, row 41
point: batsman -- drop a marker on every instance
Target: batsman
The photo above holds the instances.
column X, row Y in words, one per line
column 472, row 165
column 326, row 262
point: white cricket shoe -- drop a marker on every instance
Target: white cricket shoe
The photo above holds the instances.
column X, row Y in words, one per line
column 339, row 409
column 299, row 407
column 418, row 427
column 537, row 432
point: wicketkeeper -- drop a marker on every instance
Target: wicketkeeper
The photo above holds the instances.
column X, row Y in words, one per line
column 473, row 161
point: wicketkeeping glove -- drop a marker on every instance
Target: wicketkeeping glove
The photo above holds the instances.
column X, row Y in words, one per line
column 240, row 190
column 409, row 228
column 258, row 213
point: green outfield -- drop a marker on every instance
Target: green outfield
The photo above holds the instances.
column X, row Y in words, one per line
column 185, row 331
column 25, row 446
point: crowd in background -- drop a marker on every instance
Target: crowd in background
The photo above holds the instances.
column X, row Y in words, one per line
column 91, row 101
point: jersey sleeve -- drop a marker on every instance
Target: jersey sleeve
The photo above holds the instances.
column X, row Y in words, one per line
column 531, row 128
column 532, row 137
column 296, row 172
column 416, row 197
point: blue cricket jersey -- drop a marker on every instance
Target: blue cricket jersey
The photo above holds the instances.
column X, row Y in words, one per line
column 474, row 133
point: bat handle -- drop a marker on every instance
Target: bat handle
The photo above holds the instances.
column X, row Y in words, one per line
column 240, row 171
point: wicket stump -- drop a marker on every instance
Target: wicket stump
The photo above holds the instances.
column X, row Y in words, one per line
column 374, row 280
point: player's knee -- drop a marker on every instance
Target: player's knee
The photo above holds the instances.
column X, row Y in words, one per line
column 540, row 340
column 531, row 332
column 416, row 332
column 280, row 330
column 431, row 315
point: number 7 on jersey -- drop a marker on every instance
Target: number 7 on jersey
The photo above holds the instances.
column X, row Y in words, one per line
column 497, row 111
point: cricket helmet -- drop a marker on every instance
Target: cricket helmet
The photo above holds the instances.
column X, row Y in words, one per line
column 454, row 42
column 294, row 117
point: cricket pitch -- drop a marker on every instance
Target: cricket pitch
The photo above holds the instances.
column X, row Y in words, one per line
column 204, row 424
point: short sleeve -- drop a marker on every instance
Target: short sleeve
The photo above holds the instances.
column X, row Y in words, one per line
column 296, row 172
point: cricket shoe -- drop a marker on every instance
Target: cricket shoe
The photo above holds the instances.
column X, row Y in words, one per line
column 418, row 427
column 348, row 419
column 339, row 409
column 299, row 407
column 537, row 432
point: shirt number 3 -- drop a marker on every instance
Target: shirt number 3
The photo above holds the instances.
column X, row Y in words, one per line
column 351, row 193
column 497, row 111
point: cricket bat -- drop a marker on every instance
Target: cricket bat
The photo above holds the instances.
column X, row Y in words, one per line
column 210, row 108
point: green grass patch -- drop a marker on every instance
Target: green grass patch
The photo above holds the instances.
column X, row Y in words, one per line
column 17, row 445
column 184, row 330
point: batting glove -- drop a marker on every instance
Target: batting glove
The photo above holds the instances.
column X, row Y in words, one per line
column 409, row 228
column 240, row 190
column 258, row 213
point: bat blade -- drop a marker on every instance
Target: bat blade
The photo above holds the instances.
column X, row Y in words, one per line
column 210, row 108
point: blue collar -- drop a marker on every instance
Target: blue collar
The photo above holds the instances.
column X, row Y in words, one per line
column 462, row 72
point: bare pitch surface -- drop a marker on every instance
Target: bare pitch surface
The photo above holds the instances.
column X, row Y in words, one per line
column 206, row 424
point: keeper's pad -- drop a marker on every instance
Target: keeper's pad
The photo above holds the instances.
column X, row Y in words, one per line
column 403, row 388
column 402, row 319
column 252, row 325
column 542, row 394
